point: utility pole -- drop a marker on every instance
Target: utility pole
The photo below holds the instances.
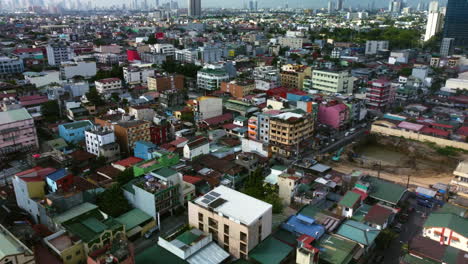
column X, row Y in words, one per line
column 407, row 183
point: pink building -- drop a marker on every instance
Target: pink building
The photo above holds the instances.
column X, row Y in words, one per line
column 17, row 132
column 380, row 94
column 333, row 115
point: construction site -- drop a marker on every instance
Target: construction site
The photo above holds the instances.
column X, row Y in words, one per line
column 398, row 160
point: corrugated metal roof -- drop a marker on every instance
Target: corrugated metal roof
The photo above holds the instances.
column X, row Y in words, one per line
column 210, row 254
column 14, row 116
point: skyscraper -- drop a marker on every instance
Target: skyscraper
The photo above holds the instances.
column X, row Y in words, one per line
column 456, row 22
column 434, row 21
column 339, row 5
column 194, row 8
column 446, row 49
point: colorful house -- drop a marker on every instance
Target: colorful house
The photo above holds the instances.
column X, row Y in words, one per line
column 59, row 180
column 333, row 115
column 161, row 161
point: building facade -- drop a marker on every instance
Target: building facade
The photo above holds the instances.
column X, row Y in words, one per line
column 235, row 227
column 373, row 46
column 333, row 81
column 456, row 22
column 137, row 75
column 17, row 132
column 109, row 85
column 238, row 89
column 58, row 53
column 10, row 65
column 166, row 82
column 292, row 76
column 70, row 69
column 100, row 141
column 210, row 79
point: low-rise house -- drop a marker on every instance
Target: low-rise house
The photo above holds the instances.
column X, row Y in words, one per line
column 361, row 233
column 448, row 229
column 380, row 216
column 197, row 147
column 136, row 223
column 74, row 132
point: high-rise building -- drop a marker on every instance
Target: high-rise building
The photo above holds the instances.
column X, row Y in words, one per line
column 330, row 7
column 194, row 8
column 456, row 22
column 447, row 47
column 339, row 5
column 434, row 21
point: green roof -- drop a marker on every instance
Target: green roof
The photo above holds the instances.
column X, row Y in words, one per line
column 158, row 255
column 77, row 124
column 270, row 251
column 90, row 228
column 336, row 250
column 187, row 237
column 349, row 199
column 357, row 232
column 451, row 221
column 81, row 231
column 133, row 218
column 361, row 213
column 94, row 224
column 214, row 71
column 385, row 191
column 165, row 172
column 57, row 143
column 279, row 167
column 10, row 245
column 75, row 212
column 410, row 259
column 448, row 208
column 12, row 116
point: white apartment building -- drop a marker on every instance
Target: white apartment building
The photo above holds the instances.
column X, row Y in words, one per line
column 211, row 77
column 100, row 139
column 167, row 49
column 137, row 74
column 238, row 222
column 292, row 43
column 372, row 46
column 333, row 81
column 266, row 73
column 186, row 55
column 11, row 65
column 84, row 68
column 58, row 53
column 109, row 85
column 434, row 24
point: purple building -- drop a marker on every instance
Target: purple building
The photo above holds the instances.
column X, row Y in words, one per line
column 334, row 115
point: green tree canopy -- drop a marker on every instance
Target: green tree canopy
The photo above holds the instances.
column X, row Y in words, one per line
column 113, row 202
column 50, row 111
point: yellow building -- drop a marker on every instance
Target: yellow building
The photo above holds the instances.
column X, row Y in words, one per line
column 288, row 130
column 292, row 76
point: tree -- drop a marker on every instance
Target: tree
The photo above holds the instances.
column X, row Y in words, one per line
column 125, row 176
column 256, row 188
column 50, row 111
column 94, row 97
column 113, row 202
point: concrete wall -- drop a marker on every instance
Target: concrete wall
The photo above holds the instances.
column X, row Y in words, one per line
column 447, row 236
column 419, row 137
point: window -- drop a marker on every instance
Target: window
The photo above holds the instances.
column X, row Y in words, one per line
column 226, row 239
column 243, row 247
column 243, row 256
column 200, row 226
column 78, row 253
column 200, row 217
column 243, row 236
column 68, row 257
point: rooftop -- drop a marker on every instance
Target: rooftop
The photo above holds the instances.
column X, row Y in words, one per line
column 133, row 218
column 358, row 232
column 10, row 245
column 14, row 116
column 234, row 204
column 448, row 220
column 78, row 124
column 270, row 251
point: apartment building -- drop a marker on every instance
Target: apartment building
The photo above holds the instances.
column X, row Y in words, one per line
column 84, row 68
column 373, row 46
column 58, row 53
column 138, row 74
column 115, row 49
column 17, row 132
column 237, row 222
column 238, row 88
column 379, row 95
column 208, row 107
column 100, row 141
column 186, row 55
column 288, row 130
column 75, row 131
column 333, row 81
column 129, row 132
column 292, row 43
column 11, row 65
column 210, row 78
column 167, row 49
column 109, row 85
column 166, row 82
column 292, row 76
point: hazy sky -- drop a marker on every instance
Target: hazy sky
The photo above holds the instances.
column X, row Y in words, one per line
column 267, row 3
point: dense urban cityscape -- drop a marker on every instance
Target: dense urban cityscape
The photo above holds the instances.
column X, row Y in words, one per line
column 244, row 132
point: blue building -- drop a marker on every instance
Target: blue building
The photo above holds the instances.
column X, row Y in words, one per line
column 303, row 225
column 75, row 131
column 145, row 150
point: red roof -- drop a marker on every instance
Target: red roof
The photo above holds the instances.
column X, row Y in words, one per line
column 306, row 241
column 361, row 193
column 435, row 131
column 218, row 119
column 463, row 131
column 378, row 214
column 27, row 50
column 192, row 179
column 230, row 126
column 128, row 162
column 35, row 174
column 33, row 100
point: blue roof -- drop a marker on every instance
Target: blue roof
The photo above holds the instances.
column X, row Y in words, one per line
column 145, row 143
column 393, row 117
column 57, row 175
column 301, row 224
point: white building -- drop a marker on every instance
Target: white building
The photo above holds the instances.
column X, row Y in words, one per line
column 197, row 147
column 211, row 77
column 58, row 53
column 83, row 68
column 40, row 79
column 100, row 141
column 434, row 24
column 373, row 46
column 11, row 65
column 292, row 43
column 186, row 55
column 399, row 57
column 167, row 49
column 266, row 73
column 137, row 74
column 109, row 85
